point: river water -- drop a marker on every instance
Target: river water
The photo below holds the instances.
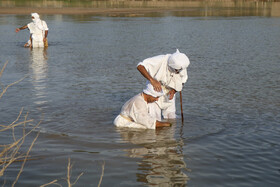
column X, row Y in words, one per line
column 76, row 87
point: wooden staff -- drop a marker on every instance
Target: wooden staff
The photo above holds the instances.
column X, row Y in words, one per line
column 182, row 115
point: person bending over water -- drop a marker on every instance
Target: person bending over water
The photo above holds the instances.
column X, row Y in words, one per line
column 135, row 112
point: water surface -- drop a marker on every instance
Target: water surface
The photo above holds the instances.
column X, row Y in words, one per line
column 230, row 135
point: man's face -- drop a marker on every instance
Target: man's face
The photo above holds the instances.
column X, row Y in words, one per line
column 176, row 71
column 32, row 18
column 151, row 99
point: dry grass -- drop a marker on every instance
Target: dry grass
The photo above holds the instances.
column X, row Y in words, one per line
column 11, row 152
column 102, row 174
column 67, row 179
column 69, row 169
column 68, row 176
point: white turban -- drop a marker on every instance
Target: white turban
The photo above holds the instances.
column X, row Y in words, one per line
column 37, row 21
column 149, row 90
column 35, row 15
column 178, row 60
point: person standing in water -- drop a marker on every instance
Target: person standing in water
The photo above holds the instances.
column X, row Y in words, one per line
column 167, row 73
column 38, row 31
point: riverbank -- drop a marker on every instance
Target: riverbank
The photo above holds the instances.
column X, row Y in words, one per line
column 134, row 8
column 80, row 10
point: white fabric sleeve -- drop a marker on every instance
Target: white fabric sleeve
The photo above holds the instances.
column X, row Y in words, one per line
column 45, row 26
column 153, row 64
column 31, row 27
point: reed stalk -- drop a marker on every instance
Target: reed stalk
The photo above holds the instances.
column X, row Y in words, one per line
column 102, row 174
column 10, row 152
column 68, row 177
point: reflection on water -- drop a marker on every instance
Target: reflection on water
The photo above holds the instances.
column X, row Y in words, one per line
column 162, row 158
column 39, row 67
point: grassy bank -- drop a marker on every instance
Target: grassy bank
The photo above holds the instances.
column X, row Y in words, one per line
column 123, row 3
column 147, row 7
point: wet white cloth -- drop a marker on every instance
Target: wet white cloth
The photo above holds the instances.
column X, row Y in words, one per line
column 37, row 29
column 163, row 108
column 37, row 43
column 149, row 90
column 135, row 114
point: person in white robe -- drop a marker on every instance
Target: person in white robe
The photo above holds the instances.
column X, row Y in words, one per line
column 135, row 112
column 166, row 73
column 38, row 30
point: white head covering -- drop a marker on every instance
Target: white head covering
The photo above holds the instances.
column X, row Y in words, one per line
column 149, row 90
column 178, row 60
column 37, row 21
column 35, row 15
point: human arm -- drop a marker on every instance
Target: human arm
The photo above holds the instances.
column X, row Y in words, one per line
column 30, row 38
column 156, row 84
column 46, row 34
column 46, row 30
column 21, row 28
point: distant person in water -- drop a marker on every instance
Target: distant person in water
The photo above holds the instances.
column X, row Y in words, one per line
column 38, row 31
column 135, row 112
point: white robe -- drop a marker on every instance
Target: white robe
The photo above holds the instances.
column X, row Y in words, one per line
column 38, row 33
column 157, row 67
column 135, row 114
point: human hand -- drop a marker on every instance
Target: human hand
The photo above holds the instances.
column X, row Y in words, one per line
column 17, row 29
column 156, row 84
column 163, row 124
column 166, row 124
column 171, row 94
